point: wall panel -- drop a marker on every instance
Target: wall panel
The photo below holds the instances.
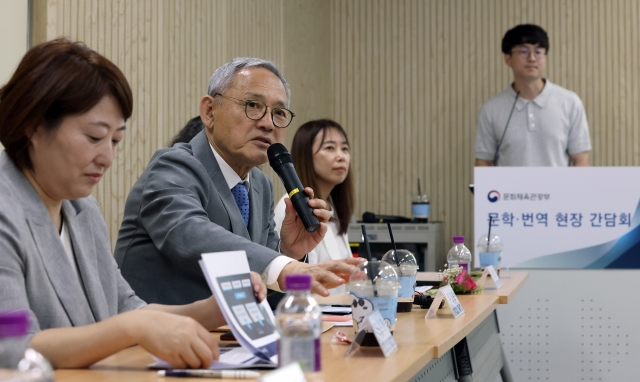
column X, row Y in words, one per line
column 409, row 78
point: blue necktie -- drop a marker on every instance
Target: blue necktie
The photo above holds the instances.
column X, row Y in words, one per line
column 241, row 194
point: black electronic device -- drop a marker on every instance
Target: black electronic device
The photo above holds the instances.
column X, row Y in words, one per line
column 282, row 163
column 379, row 249
column 228, row 336
column 370, row 217
column 432, row 283
column 424, row 300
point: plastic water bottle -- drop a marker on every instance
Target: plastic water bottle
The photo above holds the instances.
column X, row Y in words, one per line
column 29, row 366
column 299, row 323
column 459, row 254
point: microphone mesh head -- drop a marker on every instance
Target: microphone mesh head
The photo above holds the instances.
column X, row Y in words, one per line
column 278, row 155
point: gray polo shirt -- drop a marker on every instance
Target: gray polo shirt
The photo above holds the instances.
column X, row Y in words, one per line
column 542, row 132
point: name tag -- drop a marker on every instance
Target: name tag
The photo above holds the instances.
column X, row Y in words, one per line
column 449, row 295
column 376, row 323
column 383, row 335
column 490, row 270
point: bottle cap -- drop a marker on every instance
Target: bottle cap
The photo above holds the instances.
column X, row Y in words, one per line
column 297, row 282
column 14, row 323
column 458, row 240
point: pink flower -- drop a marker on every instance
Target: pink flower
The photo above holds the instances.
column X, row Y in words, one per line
column 461, row 277
column 469, row 284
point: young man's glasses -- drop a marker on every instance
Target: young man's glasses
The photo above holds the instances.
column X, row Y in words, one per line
column 524, row 52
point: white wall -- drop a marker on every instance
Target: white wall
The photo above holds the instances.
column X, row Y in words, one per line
column 13, row 36
column 573, row 325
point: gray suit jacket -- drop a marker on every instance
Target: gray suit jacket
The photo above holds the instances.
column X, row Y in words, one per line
column 180, row 208
column 35, row 273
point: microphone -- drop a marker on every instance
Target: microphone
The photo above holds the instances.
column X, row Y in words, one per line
column 281, row 162
column 495, row 158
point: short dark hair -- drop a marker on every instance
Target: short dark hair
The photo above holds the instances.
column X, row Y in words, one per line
column 302, row 153
column 55, row 79
column 524, row 34
column 190, row 130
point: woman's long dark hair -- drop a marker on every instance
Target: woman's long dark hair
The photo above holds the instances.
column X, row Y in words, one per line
column 302, row 152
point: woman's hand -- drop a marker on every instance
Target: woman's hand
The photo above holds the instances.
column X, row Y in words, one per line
column 179, row 340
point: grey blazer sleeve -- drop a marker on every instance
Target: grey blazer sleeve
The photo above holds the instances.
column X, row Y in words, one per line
column 13, row 293
column 182, row 212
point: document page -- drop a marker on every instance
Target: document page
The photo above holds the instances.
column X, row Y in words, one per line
column 251, row 322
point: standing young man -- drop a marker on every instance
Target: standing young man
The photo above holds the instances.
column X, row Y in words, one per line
column 533, row 122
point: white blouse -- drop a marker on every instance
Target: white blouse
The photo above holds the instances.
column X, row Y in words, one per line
column 332, row 247
column 68, row 248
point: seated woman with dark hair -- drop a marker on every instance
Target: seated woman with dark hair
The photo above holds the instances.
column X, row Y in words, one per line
column 321, row 156
column 190, row 130
column 62, row 116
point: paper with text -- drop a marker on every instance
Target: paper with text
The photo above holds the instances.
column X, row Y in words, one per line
column 252, row 323
column 449, row 295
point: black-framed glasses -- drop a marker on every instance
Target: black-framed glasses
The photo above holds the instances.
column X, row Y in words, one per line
column 524, row 52
column 256, row 110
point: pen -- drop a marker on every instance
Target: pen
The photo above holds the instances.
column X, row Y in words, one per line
column 336, row 305
column 230, row 374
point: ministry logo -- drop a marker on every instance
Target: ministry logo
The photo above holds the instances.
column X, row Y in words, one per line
column 493, row 196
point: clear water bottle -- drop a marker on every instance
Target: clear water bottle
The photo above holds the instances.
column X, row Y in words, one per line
column 299, row 323
column 459, row 254
column 28, row 366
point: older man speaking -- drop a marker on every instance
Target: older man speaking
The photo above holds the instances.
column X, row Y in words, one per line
column 208, row 196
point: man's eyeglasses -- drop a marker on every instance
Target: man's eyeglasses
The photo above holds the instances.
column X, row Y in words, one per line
column 525, row 52
column 256, row 110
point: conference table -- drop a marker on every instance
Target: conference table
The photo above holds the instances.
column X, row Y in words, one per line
column 425, row 347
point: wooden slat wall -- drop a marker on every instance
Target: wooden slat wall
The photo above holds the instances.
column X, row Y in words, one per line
column 406, row 78
column 168, row 51
column 410, row 76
